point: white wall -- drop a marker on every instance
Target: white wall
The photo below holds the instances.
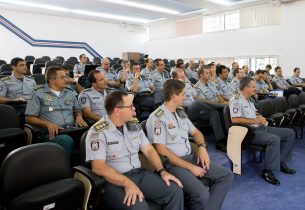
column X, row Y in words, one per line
column 285, row 41
column 106, row 38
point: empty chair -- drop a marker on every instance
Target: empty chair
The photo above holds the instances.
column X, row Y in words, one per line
column 39, row 176
column 29, row 58
column 62, row 59
column 2, row 62
column 280, row 106
column 73, row 59
column 39, row 61
column 6, row 69
column 39, row 79
column 51, row 63
column 11, row 134
column 58, row 61
column 266, row 110
column 46, row 58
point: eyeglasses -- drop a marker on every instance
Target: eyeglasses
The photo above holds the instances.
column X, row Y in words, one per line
column 62, row 77
column 122, row 107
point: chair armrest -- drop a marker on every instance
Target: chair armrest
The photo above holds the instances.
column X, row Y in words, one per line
column 250, row 128
column 31, row 132
column 94, row 179
column 271, row 122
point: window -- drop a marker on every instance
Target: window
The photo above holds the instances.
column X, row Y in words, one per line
column 221, row 22
column 232, row 21
column 259, row 62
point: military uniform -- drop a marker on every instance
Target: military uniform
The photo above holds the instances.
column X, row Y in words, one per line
column 157, row 80
column 225, row 88
column 190, row 93
column 280, row 81
column 59, row 110
column 296, row 80
column 12, row 88
column 235, row 84
column 110, row 75
column 206, row 91
column 79, row 69
column 261, row 86
column 173, row 129
column 120, row 148
column 192, row 73
column 94, row 99
column 278, row 141
column 146, row 72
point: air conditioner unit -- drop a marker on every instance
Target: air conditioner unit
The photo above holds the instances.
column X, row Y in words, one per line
column 137, row 28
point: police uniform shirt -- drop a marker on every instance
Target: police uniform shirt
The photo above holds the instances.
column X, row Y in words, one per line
column 225, row 88
column 110, row 75
column 296, row 80
column 190, row 93
column 143, row 83
column 258, row 85
column 105, row 142
column 11, row 87
column 95, row 100
column 206, row 91
column 164, row 127
column 192, row 73
column 230, row 76
column 158, row 79
column 46, row 105
column 264, row 85
column 79, row 69
column 146, row 72
column 235, row 84
column 280, row 81
column 242, row 107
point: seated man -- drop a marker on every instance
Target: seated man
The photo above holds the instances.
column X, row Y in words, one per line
column 125, row 72
column 191, row 71
column 112, row 146
column 260, row 85
column 141, row 87
column 16, row 87
column 110, row 74
column 282, row 84
column 92, row 99
column 199, row 110
column 226, row 90
column 278, row 141
column 168, row 129
column 72, row 83
column 54, row 107
column 296, row 80
column 149, row 68
column 238, row 74
column 79, row 68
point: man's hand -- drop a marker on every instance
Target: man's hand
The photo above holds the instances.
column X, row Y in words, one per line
column 204, row 158
column 131, row 193
column 53, row 129
column 197, row 171
column 80, row 121
column 167, row 177
column 136, row 75
column 20, row 99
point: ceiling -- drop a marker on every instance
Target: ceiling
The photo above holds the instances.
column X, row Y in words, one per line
column 109, row 10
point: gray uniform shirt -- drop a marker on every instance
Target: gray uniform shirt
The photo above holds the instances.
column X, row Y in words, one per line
column 158, row 79
column 143, row 83
column 146, row 72
column 192, row 73
column 206, row 91
column 79, row 69
column 190, row 93
column 296, row 80
column 280, row 81
column 93, row 99
column 225, row 88
column 242, row 107
column 48, row 106
column 165, row 128
column 109, row 75
column 235, row 84
column 11, row 87
column 105, row 142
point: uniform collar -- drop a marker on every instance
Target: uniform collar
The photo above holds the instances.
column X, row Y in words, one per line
column 112, row 126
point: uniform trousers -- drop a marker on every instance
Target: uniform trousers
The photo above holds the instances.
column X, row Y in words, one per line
column 153, row 189
column 201, row 197
column 279, row 144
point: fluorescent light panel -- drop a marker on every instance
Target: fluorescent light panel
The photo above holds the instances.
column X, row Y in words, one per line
column 221, row 2
column 194, row 12
column 79, row 12
column 143, row 6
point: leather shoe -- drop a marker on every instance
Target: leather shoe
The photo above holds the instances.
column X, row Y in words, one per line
column 269, row 177
column 286, row 170
column 222, row 147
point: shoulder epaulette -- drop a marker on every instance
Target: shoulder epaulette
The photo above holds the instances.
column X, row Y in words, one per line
column 30, row 77
column 87, row 89
column 101, row 125
column 159, row 112
column 196, row 85
column 181, row 112
column 5, row 78
column 69, row 88
column 133, row 125
column 38, row 87
column 237, row 95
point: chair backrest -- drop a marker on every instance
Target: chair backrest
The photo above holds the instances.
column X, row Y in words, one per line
column 46, row 58
column 227, row 117
column 279, row 104
column 40, row 79
column 31, row 166
column 29, row 58
column 265, row 108
column 83, row 151
column 6, row 68
column 9, row 117
column 302, row 98
column 51, row 63
column 62, row 59
column 2, row 62
column 143, row 125
column 39, row 61
column 293, row 101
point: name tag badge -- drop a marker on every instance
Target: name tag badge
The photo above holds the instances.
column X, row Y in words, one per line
column 112, row 142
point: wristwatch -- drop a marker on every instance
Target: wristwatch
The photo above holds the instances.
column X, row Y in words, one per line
column 203, row 145
column 161, row 170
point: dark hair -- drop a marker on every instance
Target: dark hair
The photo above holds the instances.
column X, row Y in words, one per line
column 277, row 68
column 174, row 74
column 244, row 82
column 52, row 72
column 147, row 60
column 171, row 87
column 179, row 65
column 180, row 61
column 268, row 66
column 201, row 70
column 80, row 56
column 157, row 61
column 235, row 71
column 295, row 69
column 258, row 72
column 264, row 71
column 91, row 76
column 15, row 61
column 134, row 64
column 219, row 69
column 113, row 100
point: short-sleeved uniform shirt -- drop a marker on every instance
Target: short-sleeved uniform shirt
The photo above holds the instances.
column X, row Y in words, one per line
column 46, row 105
column 158, row 79
column 190, row 93
column 110, row 75
column 164, row 127
column 235, row 84
column 94, row 99
column 206, row 91
column 144, row 83
column 11, row 87
column 280, row 81
column 225, row 88
column 120, row 150
column 146, row 72
column 79, row 69
column 296, row 80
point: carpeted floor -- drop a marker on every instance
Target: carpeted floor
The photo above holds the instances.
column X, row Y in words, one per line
column 251, row 192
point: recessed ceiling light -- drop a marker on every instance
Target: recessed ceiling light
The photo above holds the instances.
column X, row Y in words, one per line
column 150, row 7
